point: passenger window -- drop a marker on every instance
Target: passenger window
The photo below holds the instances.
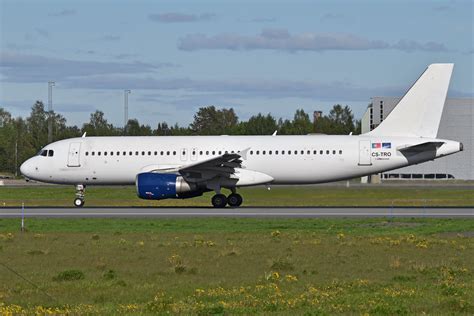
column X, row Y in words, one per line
column 174, row 153
column 143, row 153
column 161, row 153
column 289, row 152
column 87, row 153
column 320, row 152
column 184, row 153
column 105, row 153
column 282, row 152
column 130, row 153
column 315, row 152
column 50, row 153
column 220, row 152
column 302, row 152
column 296, row 152
column 276, row 152
column 213, row 152
column 111, row 153
column 93, row 153
column 167, row 153
column 327, row 152
column 194, row 153
column 136, row 153
column 200, row 153
column 98, row 153
column 308, row 152
column 156, row 153
column 251, row 152
column 269, row 152
column 258, row 152
column 340, row 152
column 333, row 152
column 149, row 153
column 207, row 152
column 263, row 152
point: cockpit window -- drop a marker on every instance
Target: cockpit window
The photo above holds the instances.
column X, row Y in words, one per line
column 50, row 153
column 43, row 153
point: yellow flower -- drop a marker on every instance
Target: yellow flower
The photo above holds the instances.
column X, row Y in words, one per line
column 291, row 278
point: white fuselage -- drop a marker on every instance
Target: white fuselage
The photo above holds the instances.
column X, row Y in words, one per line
column 285, row 159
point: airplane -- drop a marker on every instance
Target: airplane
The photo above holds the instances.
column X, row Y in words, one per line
column 181, row 167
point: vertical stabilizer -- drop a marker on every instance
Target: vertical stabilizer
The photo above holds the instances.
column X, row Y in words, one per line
column 419, row 111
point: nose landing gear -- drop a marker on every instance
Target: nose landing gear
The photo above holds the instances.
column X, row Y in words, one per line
column 80, row 194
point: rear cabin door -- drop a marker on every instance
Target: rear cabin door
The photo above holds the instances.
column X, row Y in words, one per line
column 74, row 154
column 364, row 153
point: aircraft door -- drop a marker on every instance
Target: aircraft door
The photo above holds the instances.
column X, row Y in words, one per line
column 194, row 154
column 364, row 153
column 74, row 155
column 184, row 154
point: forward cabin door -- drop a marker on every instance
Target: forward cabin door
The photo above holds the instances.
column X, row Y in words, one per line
column 74, row 154
column 364, row 153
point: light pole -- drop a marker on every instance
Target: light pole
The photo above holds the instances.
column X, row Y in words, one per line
column 125, row 103
column 50, row 111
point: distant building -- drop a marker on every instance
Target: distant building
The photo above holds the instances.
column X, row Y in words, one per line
column 456, row 124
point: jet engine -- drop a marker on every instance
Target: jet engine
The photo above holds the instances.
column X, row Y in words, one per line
column 159, row 186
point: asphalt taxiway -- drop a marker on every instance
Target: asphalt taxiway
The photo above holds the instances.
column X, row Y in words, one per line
column 241, row 212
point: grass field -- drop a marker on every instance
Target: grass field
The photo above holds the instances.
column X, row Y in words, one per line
column 237, row 266
column 260, row 196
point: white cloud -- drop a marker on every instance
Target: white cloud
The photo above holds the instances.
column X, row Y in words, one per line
column 173, row 17
column 65, row 12
column 281, row 39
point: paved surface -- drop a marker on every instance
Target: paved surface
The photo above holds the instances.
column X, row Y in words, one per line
column 240, row 212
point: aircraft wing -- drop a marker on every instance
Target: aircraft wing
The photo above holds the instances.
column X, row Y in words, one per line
column 223, row 166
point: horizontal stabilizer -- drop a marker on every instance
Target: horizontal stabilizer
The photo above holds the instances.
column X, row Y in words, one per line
column 423, row 147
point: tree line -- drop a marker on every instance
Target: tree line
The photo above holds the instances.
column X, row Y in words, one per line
column 21, row 138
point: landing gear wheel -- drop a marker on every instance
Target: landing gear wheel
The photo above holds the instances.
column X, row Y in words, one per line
column 219, row 201
column 234, row 200
column 80, row 194
column 78, row 202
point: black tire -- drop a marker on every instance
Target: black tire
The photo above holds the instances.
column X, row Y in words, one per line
column 219, row 200
column 234, row 200
column 78, row 202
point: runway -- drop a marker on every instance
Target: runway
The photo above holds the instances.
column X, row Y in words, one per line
column 260, row 212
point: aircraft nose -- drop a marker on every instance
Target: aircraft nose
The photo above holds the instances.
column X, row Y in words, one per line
column 26, row 168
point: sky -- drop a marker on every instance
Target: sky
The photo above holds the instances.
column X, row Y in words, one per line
column 254, row 56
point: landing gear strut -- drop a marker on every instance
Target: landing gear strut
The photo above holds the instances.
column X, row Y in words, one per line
column 80, row 194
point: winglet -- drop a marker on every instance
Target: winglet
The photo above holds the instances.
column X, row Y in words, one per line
column 275, row 133
column 84, row 135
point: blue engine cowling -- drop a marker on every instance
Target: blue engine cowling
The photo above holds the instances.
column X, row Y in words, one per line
column 159, row 186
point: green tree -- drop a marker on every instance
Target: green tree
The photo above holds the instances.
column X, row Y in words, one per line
column 210, row 121
column 258, row 125
column 340, row 121
column 134, row 128
column 38, row 125
column 98, row 125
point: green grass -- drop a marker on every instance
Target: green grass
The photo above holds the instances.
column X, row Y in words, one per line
column 238, row 266
column 277, row 196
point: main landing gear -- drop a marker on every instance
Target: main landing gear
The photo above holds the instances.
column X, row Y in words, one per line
column 80, row 194
column 220, row 200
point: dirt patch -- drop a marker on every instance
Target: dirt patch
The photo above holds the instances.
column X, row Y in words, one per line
column 468, row 234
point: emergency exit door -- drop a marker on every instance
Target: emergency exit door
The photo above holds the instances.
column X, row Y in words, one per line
column 364, row 153
column 74, row 154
